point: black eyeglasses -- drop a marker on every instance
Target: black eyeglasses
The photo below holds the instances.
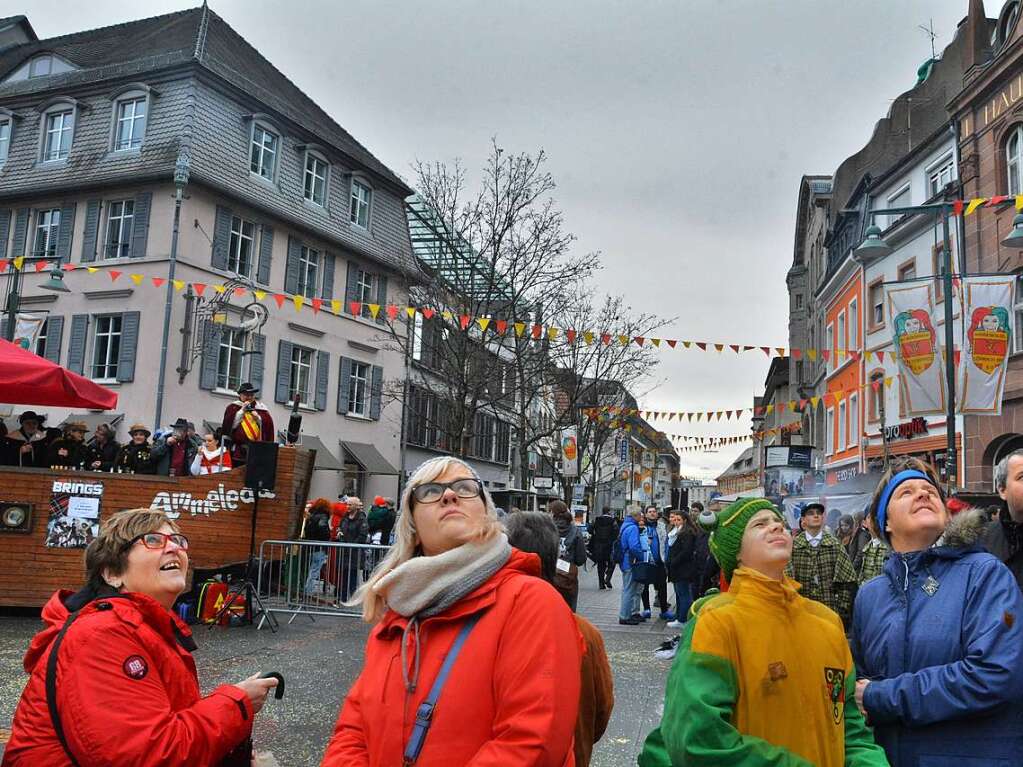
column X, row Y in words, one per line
column 158, row 541
column 431, row 492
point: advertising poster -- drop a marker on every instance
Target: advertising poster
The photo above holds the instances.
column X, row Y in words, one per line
column 569, row 452
column 988, row 345
column 74, row 514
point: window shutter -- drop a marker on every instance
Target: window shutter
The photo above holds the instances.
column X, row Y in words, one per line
column 283, row 372
column 351, row 286
column 344, row 382
column 328, row 276
column 54, row 331
column 376, row 391
column 256, row 360
column 3, row 328
column 65, row 232
column 76, row 343
column 140, row 224
column 20, row 232
column 5, row 230
column 382, row 297
column 129, row 343
column 291, row 266
column 210, row 355
column 91, row 233
column 221, row 238
column 266, row 249
column 322, row 376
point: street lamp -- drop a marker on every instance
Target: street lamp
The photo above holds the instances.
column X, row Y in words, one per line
column 1015, row 237
column 873, row 245
column 54, row 283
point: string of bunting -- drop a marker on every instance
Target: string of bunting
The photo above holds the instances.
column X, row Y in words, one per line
column 464, row 321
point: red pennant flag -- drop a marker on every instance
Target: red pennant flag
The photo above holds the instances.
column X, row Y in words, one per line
column 997, row 200
column 4, row 263
column 875, row 385
column 880, row 356
column 463, row 321
column 957, row 208
column 780, row 407
column 200, row 287
column 41, row 265
column 501, row 326
column 734, row 347
column 766, row 350
column 240, row 291
column 114, row 274
column 428, row 313
column 605, row 338
column 956, row 356
column 356, row 307
column 537, row 331
column 639, row 340
column 672, row 342
column 317, row 305
column 570, row 335
column 826, row 354
column 802, row 404
column 280, row 299
column 747, row 348
column 158, row 281
column 702, row 345
column 392, row 312
column 65, row 267
column 797, row 354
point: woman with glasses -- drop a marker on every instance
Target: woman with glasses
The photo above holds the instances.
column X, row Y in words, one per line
column 112, row 680
column 452, row 593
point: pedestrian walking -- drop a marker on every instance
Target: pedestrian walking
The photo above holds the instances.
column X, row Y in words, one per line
column 316, row 528
column 572, row 553
column 938, row 639
column 821, row 564
column 534, row 532
column 852, row 535
column 602, row 539
column 631, row 542
column 1004, row 535
column 762, row 676
column 112, row 675
column 657, row 535
column 452, row 590
column 682, row 564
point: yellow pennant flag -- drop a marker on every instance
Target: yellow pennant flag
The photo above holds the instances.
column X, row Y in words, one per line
column 260, row 294
column 520, row 328
column 839, row 394
column 374, row 310
column 866, row 356
column 655, row 341
column 686, row 343
column 219, row 288
column 552, row 333
column 335, row 305
column 888, row 382
column 178, row 284
column 719, row 347
column 770, row 409
column 19, row 262
column 220, row 318
column 298, row 300
column 780, row 350
column 446, row 315
column 975, row 203
column 136, row 278
column 483, row 322
column 410, row 311
column 588, row 337
column 623, row 340
column 93, row 270
column 812, row 354
column 814, row 401
column 1019, row 203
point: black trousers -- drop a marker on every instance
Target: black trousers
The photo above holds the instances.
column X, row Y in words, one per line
column 661, row 587
column 604, row 569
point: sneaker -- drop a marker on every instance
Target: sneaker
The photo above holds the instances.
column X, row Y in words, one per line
column 645, row 615
column 631, row 621
column 608, row 584
column 667, row 654
column 667, row 616
column 675, row 624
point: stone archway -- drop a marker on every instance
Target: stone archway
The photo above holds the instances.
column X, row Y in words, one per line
column 996, row 450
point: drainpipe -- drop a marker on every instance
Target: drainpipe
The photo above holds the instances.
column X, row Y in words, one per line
column 961, row 246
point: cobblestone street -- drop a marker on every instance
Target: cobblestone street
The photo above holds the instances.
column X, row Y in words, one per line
column 321, row 659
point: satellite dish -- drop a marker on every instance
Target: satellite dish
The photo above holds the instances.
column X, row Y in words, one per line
column 254, row 317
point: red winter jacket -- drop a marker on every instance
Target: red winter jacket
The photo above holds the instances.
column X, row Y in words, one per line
column 127, row 692
column 511, row 699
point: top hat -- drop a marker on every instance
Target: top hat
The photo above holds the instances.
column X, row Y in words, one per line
column 181, row 423
column 247, row 388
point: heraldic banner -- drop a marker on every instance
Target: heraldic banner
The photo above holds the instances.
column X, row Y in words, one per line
column 988, row 344
column 922, row 379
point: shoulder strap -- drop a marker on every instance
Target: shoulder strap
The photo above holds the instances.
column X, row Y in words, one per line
column 424, row 714
column 51, row 687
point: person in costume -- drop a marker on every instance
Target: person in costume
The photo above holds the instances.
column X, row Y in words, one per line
column 29, row 444
column 69, row 452
column 762, row 675
column 136, row 457
column 211, row 458
column 247, row 420
column 822, row 565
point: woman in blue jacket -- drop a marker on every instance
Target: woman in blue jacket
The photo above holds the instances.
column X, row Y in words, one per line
column 938, row 638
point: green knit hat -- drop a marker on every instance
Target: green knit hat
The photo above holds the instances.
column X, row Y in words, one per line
column 727, row 526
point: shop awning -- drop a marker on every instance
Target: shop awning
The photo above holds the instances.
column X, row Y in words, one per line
column 325, row 459
column 368, row 457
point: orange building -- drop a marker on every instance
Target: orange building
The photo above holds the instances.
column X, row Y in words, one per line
column 843, row 398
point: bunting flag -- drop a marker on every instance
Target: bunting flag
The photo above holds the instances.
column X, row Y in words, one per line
column 910, row 310
column 988, row 344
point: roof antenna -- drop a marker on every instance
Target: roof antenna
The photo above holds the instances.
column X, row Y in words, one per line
column 928, row 30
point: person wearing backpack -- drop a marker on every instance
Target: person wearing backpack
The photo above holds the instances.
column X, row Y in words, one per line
column 472, row 658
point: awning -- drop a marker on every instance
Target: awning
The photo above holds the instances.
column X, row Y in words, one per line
column 325, row 459
column 92, row 420
column 368, row 457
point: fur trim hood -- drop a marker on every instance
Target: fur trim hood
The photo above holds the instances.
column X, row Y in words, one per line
column 966, row 529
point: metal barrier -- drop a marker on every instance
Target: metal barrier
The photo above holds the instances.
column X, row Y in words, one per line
column 313, row 577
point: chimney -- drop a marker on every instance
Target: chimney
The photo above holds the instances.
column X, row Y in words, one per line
column 976, row 49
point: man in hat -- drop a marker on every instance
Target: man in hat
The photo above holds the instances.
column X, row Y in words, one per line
column 762, row 675
column 246, row 420
column 822, row 565
column 69, row 452
column 30, row 442
column 174, row 451
column 136, row 457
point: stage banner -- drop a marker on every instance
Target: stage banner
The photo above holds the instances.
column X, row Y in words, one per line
column 27, row 329
column 569, row 452
column 922, row 382
column 988, row 344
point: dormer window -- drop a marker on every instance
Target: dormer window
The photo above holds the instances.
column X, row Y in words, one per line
column 362, row 196
column 131, row 123
column 42, row 65
column 263, row 151
column 315, row 181
column 58, row 126
column 6, row 127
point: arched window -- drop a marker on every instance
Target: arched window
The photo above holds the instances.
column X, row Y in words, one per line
column 1014, row 160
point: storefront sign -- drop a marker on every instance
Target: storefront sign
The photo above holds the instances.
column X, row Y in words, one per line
column 906, row 430
column 218, row 499
column 841, row 475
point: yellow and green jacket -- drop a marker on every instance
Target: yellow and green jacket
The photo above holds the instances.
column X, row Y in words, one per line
column 762, row 676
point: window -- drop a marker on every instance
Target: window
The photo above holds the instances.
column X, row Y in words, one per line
column 361, row 195
column 876, row 396
column 41, row 339
column 315, row 179
column 106, row 348
column 1017, row 310
column 840, row 341
column 842, row 424
column 900, row 199
column 502, row 442
column 239, row 253
column 57, row 138
column 426, row 419
column 854, row 420
column 875, row 294
column 300, row 373
column 263, row 154
column 1014, row 160
column 5, row 139
column 229, row 359
column 939, row 177
column 483, row 436
column 40, row 66
column 854, row 324
column 358, row 390
column 829, row 429
column 365, row 292
column 47, row 227
column 829, row 340
column 119, row 223
column 131, row 123
column 907, row 271
column 799, row 300
column 308, row 264
column 417, row 338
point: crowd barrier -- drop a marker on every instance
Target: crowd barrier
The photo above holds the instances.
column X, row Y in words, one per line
column 313, row 577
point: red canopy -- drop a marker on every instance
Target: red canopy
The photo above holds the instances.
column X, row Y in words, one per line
column 28, row 379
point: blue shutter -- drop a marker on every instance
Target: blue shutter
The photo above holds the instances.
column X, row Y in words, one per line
column 91, row 233
column 210, row 355
column 221, row 238
column 20, row 232
column 5, row 230
column 344, row 381
column 65, row 232
column 256, row 360
column 328, row 276
column 54, row 331
column 382, row 297
column 351, row 286
column 266, row 249
column 76, row 343
column 283, row 372
column 291, row 266
column 322, row 376
column 140, row 224
column 376, row 391
column 129, row 344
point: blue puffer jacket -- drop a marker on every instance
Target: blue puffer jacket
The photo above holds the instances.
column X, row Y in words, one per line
column 630, row 543
column 947, row 666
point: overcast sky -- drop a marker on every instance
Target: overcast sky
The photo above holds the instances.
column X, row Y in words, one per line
column 677, row 131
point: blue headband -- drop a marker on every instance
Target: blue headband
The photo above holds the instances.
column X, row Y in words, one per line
column 894, row 482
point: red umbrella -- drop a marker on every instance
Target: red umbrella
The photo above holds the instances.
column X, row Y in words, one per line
column 28, row 379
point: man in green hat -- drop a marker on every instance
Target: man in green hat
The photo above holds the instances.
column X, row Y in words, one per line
column 762, row 675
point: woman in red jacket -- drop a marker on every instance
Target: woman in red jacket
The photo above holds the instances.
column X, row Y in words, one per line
column 123, row 682
column 511, row 696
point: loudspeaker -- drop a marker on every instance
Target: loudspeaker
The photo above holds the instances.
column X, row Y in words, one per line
column 261, row 466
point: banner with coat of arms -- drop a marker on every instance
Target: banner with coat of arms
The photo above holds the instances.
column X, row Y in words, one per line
column 988, row 344
column 922, row 383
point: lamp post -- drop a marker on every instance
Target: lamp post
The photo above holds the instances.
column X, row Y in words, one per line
column 54, row 283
